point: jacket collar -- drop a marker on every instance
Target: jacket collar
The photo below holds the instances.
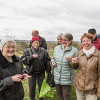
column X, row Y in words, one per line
column 4, row 62
column 33, row 50
column 94, row 54
column 68, row 48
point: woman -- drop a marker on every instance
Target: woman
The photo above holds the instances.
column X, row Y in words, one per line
column 37, row 61
column 87, row 60
column 63, row 72
column 59, row 39
column 11, row 72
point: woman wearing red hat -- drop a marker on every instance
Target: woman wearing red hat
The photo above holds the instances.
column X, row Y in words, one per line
column 37, row 61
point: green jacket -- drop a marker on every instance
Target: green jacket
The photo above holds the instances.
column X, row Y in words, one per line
column 63, row 72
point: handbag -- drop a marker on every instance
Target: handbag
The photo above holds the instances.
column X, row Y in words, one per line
column 50, row 79
column 46, row 90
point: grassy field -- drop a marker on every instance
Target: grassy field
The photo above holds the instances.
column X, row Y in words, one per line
column 26, row 87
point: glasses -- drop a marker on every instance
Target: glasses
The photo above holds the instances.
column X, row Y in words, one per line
column 65, row 40
column 9, row 47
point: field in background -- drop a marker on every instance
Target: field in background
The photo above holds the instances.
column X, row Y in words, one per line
column 22, row 46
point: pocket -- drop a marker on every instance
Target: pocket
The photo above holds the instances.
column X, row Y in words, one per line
column 90, row 87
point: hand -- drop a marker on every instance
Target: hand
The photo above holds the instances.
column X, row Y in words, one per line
column 17, row 78
column 35, row 55
column 68, row 58
column 53, row 63
column 25, row 76
column 75, row 60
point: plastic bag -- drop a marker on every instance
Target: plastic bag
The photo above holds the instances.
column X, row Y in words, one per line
column 46, row 90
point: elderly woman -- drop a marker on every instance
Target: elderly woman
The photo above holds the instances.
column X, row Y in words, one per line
column 87, row 60
column 63, row 72
column 59, row 39
column 37, row 61
column 11, row 72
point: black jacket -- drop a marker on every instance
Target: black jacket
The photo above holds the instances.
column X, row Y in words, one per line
column 36, row 65
column 10, row 90
column 42, row 43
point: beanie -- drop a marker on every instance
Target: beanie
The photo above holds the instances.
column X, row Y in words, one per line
column 5, row 40
column 35, row 38
column 92, row 30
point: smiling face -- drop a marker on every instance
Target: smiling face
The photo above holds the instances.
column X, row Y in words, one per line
column 35, row 44
column 66, row 42
column 59, row 39
column 9, row 49
column 86, row 43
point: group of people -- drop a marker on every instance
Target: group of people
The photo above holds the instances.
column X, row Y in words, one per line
column 65, row 59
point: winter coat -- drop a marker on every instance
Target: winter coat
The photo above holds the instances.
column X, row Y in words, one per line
column 87, row 79
column 96, row 43
column 63, row 72
column 10, row 90
column 98, row 36
column 36, row 65
column 42, row 43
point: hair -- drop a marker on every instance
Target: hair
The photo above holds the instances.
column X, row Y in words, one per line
column 35, row 31
column 88, row 35
column 68, row 36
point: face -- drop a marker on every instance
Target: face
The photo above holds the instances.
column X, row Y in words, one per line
column 66, row 42
column 86, row 43
column 35, row 44
column 9, row 49
column 35, row 34
column 59, row 39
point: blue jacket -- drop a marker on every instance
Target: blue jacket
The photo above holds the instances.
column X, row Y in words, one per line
column 63, row 72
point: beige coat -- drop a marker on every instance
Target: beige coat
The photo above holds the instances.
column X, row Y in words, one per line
column 87, row 79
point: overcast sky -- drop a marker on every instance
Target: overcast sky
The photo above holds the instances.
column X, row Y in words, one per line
column 50, row 17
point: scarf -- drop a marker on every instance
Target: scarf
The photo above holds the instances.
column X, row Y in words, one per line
column 65, row 48
column 90, row 51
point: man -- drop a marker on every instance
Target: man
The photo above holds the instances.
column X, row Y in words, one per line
column 98, row 36
column 96, row 42
column 42, row 40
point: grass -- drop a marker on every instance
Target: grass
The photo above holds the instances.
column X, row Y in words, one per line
column 26, row 86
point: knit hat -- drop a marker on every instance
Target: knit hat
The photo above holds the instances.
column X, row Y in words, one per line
column 60, row 35
column 35, row 38
column 92, row 30
column 5, row 40
column 68, row 36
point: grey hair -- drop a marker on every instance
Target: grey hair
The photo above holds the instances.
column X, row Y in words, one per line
column 60, row 35
column 68, row 36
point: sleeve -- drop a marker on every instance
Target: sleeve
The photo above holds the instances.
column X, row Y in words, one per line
column 98, row 87
column 44, row 44
column 53, row 58
column 26, row 58
column 75, row 52
column 75, row 65
column 5, row 83
column 47, row 63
